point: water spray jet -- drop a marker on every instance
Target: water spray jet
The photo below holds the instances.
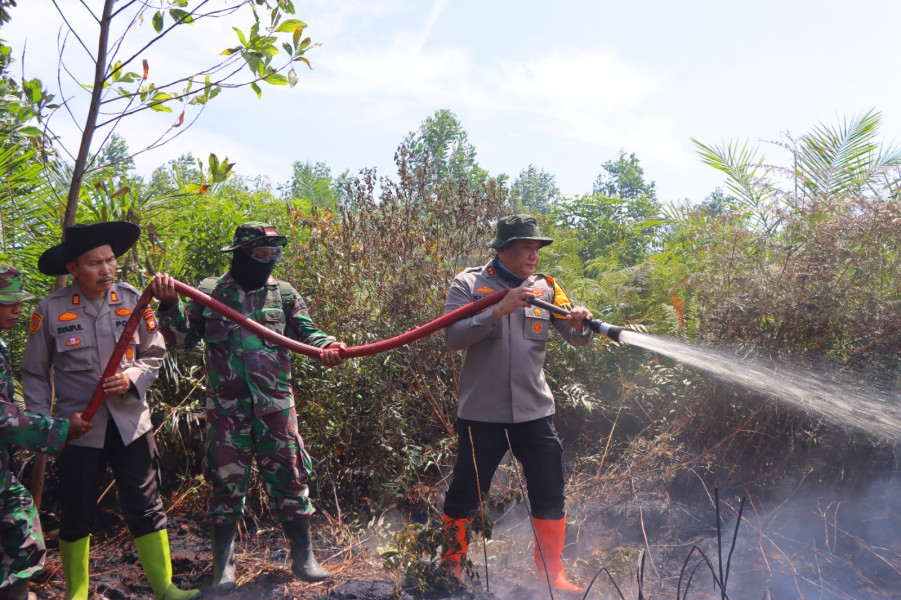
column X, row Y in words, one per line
column 838, row 398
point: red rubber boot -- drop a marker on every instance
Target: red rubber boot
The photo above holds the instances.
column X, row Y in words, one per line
column 550, row 537
column 453, row 556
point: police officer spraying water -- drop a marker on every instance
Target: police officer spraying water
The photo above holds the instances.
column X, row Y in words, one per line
column 73, row 331
column 250, row 404
column 503, row 393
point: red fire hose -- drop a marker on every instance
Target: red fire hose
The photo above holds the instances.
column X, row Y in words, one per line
column 143, row 305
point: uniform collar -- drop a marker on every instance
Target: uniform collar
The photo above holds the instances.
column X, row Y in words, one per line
column 77, row 298
column 506, row 274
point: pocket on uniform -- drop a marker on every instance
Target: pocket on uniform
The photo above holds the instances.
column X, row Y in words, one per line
column 75, row 351
column 273, row 319
column 536, row 323
column 218, row 329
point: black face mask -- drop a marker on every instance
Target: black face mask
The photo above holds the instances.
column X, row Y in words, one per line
column 249, row 273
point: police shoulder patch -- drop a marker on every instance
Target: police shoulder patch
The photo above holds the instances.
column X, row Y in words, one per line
column 35, row 325
column 149, row 319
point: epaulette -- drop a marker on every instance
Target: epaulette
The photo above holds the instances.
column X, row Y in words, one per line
column 473, row 269
column 208, row 285
column 286, row 291
column 60, row 292
column 127, row 286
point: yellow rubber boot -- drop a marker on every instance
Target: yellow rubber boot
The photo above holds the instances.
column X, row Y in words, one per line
column 550, row 537
column 453, row 556
column 153, row 550
column 75, row 567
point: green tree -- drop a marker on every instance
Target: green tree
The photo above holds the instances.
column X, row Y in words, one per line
column 314, row 184
column 611, row 231
column 624, row 178
column 619, row 223
column 718, row 203
column 534, row 190
column 121, row 84
column 442, row 143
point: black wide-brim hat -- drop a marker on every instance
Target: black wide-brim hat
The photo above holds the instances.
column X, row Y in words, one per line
column 120, row 235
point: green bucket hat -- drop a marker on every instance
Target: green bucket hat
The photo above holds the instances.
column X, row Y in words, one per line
column 255, row 231
column 517, row 227
column 11, row 291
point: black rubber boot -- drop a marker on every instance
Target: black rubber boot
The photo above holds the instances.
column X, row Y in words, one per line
column 304, row 563
column 223, row 542
column 17, row 591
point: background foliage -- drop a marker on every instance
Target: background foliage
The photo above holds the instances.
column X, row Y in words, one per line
column 798, row 262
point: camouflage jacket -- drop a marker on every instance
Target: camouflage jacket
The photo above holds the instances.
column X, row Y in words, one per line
column 32, row 432
column 246, row 375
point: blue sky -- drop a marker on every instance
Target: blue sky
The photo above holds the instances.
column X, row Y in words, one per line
column 562, row 85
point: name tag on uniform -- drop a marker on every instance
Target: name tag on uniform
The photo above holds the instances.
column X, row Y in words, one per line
column 272, row 315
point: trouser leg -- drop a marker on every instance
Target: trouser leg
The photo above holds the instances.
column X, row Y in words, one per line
column 17, row 591
column 490, row 445
column 22, row 547
column 137, row 472
column 80, row 472
column 284, row 465
column 536, row 445
column 229, row 453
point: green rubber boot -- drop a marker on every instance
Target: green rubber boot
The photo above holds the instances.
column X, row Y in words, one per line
column 75, row 567
column 153, row 550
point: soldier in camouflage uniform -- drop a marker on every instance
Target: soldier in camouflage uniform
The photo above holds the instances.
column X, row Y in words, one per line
column 250, row 405
column 21, row 543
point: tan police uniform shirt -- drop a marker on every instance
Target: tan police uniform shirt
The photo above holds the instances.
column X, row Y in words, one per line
column 502, row 379
column 69, row 334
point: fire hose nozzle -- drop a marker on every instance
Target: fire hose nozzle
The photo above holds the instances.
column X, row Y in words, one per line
column 596, row 325
column 611, row 331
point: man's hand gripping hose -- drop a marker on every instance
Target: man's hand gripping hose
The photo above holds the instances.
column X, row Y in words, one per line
column 596, row 325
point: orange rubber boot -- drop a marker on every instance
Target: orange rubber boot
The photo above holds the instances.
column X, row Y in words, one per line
column 454, row 556
column 550, row 537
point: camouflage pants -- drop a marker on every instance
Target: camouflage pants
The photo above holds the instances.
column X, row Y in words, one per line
column 21, row 542
column 283, row 464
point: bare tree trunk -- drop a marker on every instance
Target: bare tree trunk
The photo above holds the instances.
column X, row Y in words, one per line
column 90, row 125
column 40, row 461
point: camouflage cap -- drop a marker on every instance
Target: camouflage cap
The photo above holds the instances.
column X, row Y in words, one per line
column 254, row 231
column 517, row 227
column 11, row 291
